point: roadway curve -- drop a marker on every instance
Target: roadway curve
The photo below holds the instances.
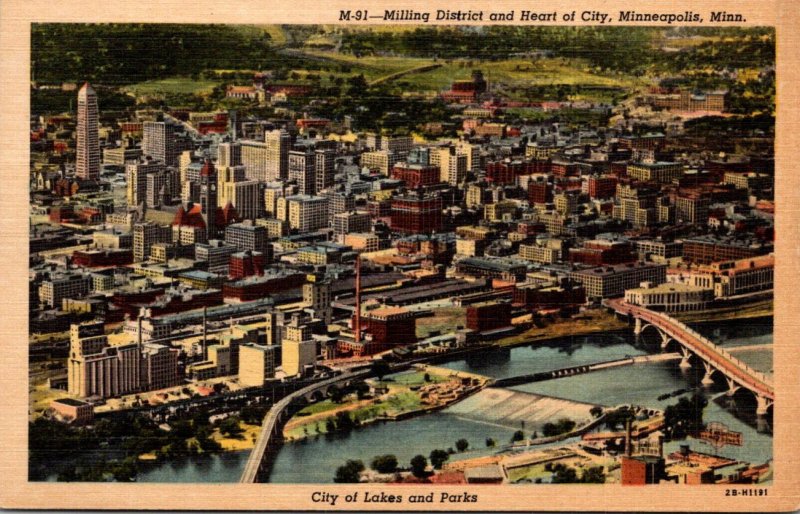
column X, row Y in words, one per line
column 275, row 418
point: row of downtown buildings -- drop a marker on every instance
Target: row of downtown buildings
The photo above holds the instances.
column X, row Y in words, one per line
column 538, row 222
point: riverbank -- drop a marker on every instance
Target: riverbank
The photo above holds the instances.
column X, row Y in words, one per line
column 402, row 396
column 759, row 309
column 589, row 322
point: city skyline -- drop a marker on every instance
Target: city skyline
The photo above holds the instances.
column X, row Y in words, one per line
column 358, row 232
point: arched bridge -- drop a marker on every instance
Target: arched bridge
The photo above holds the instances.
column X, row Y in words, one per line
column 271, row 435
column 715, row 359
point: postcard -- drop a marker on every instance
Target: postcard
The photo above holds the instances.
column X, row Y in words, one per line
column 489, row 256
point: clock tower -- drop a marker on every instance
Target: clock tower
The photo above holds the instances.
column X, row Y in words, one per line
column 208, row 197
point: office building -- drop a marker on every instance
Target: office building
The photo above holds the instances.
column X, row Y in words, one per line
column 325, row 166
column 208, row 198
column 216, row 254
column 255, row 159
column 302, row 169
column 349, row 222
column 612, row 281
column 452, row 165
column 247, row 236
column 660, row 172
column 145, row 235
column 229, row 155
column 245, row 196
column 278, row 143
column 670, row 298
column 54, row 290
column 162, row 142
column 136, row 174
column 256, row 364
column 87, row 156
column 303, row 212
column 413, row 214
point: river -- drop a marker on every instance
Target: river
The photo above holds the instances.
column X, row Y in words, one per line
column 315, row 460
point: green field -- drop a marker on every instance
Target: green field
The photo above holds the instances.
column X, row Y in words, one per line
column 510, row 73
column 173, row 85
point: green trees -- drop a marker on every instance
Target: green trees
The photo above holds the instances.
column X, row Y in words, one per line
column 563, row 474
column 380, row 367
column 685, row 417
column 462, row 445
column 518, row 436
column 438, row 458
column 230, row 427
column 616, row 419
column 418, row 465
column 384, row 463
column 490, row 443
column 349, row 473
column 130, row 53
column 253, row 414
column 561, row 426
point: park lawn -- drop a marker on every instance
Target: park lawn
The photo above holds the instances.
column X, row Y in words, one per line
column 244, row 441
column 397, row 403
column 528, row 472
column 372, row 67
column 591, row 322
column 173, row 85
column 275, row 32
column 511, row 72
column 413, row 379
column 321, row 406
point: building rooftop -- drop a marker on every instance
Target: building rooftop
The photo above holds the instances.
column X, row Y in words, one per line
column 618, row 268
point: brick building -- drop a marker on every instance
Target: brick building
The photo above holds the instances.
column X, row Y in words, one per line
column 412, row 214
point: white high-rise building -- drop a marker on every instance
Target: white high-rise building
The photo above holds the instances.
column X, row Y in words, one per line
column 87, row 164
column 278, row 143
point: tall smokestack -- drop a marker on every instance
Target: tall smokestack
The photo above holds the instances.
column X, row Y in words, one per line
column 139, row 330
column 628, row 442
column 205, row 332
column 358, row 299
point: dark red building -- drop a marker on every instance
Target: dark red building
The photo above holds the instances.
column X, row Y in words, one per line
column 379, row 209
column 600, row 252
column 106, row 257
column 564, row 169
column 416, row 175
column 504, row 172
column 413, row 214
column 602, row 187
column 389, row 327
column 549, row 297
column 130, row 301
column 246, row 264
column 488, row 316
column 254, row 288
column 539, row 191
column 183, row 301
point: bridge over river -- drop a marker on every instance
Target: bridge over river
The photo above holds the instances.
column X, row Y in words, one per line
column 715, row 359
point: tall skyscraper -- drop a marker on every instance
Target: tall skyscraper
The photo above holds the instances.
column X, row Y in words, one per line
column 87, row 165
column 278, row 143
column 325, row 164
column 302, row 169
column 163, row 140
column 229, row 154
